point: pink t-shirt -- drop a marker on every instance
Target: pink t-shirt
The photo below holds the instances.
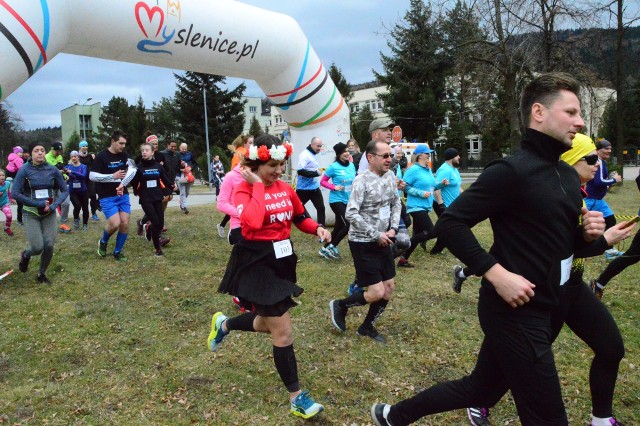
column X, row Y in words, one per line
column 225, row 197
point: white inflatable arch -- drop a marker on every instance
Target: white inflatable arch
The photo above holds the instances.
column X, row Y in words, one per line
column 222, row 37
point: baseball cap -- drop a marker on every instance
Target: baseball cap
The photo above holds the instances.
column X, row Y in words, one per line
column 422, row 149
column 380, row 123
column 57, row 146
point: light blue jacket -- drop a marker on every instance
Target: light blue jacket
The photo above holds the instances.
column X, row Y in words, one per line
column 419, row 179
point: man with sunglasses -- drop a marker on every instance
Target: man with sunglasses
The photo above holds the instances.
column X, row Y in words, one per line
column 530, row 259
column 374, row 214
column 598, row 188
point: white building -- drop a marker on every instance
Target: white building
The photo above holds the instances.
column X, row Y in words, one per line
column 253, row 108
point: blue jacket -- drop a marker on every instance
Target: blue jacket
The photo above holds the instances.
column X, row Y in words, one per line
column 35, row 183
column 420, row 180
column 78, row 178
column 598, row 186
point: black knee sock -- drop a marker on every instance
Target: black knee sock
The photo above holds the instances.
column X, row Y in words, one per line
column 375, row 311
column 285, row 360
column 242, row 322
column 356, row 299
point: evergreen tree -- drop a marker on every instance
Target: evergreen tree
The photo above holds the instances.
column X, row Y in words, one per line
column 255, row 128
column 360, row 127
column 115, row 116
column 224, row 110
column 139, row 125
column 341, row 82
column 414, row 73
column 164, row 123
column 9, row 137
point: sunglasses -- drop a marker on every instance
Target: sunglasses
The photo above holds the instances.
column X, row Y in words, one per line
column 385, row 156
column 590, row 159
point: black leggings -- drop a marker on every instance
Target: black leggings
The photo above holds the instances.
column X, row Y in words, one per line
column 154, row 211
column 341, row 227
column 422, row 230
column 315, row 196
column 619, row 264
column 80, row 200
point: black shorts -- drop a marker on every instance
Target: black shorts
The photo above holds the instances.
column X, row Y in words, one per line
column 373, row 263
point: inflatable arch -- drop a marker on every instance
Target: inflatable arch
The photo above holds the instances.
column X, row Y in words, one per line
column 224, row 37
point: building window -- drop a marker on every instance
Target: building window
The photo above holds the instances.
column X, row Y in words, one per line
column 474, row 145
column 278, row 119
column 253, row 109
column 85, row 123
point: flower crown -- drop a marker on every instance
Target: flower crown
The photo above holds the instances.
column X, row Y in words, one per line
column 263, row 153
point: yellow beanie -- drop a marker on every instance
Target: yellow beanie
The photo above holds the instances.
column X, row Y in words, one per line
column 582, row 145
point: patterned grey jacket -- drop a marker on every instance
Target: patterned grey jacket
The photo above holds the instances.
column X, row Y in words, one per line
column 374, row 206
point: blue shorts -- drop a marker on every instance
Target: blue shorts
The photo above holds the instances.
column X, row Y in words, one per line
column 114, row 205
column 598, row 206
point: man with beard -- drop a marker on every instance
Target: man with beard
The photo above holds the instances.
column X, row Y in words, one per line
column 449, row 171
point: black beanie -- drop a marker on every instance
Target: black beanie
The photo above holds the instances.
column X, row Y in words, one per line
column 339, row 148
column 450, row 153
column 33, row 146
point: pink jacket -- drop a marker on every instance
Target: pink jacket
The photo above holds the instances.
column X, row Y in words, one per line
column 15, row 162
column 225, row 198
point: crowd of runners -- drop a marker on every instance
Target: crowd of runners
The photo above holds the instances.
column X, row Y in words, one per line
column 531, row 278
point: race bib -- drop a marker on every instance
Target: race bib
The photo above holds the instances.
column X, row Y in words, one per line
column 282, row 248
column 77, row 185
column 152, row 183
column 41, row 193
column 385, row 213
column 565, row 269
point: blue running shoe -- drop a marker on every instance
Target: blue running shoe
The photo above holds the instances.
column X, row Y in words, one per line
column 353, row 288
column 334, row 250
column 326, row 253
column 217, row 335
column 305, row 407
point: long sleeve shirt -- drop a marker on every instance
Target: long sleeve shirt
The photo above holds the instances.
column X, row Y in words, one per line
column 78, row 177
column 533, row 202
column 308, row 174
column 35, row 183
column 225, row 202
column 598, row 186
column 267, row 212
column 374, row 206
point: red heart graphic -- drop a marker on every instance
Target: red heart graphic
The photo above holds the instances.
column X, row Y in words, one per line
column 150, row 13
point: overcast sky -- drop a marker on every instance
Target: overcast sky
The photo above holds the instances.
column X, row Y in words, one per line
column 347, row 32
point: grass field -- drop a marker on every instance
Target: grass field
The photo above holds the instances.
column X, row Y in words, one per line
column 125, row 343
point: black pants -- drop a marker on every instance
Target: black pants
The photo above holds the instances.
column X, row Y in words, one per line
column 80, row 201
column 619, row 264
column 341, row 227
column 439, row 245
column 422, row 230
column 20, row 209
column 515, row 354
column 315, row 196
column 155, row 213
column 93, row 198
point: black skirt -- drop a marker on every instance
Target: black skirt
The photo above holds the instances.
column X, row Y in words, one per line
column 259, row 280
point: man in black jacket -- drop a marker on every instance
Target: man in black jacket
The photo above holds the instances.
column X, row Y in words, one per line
column 533, row 202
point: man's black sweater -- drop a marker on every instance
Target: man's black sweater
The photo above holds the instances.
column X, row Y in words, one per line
column 533, row 202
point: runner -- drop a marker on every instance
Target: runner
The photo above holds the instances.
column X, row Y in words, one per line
column 5, row 204
column 78, row 174
column 41, row 188
column 112, row 171
column 262, row 268
column 342, row 172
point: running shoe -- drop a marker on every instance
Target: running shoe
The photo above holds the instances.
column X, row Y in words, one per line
column 380, row 413
column 23, row 266
column 326, row 253
column 159, row 253
column 334, row 250
column 612, row 254
column 613, row 422
column 371, row 332
column 147, row 230
column 217, row 335
column 140, row 228
column 305, row 407
column 95, row 217
column 120, row 257
column 598, row 291
column 42, row 279
column 85, row 227
column 353, row 288
column 338, row 315
column 63, row 228
column 220, row 229
column 9, row 232
column 404, row 263
column 456, row 285
column 102, row 248
column 76, row 223
column 185, row 211
column 478, row 416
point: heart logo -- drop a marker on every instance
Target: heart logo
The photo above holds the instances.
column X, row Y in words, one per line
column 281, row 216
column 150, row 14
